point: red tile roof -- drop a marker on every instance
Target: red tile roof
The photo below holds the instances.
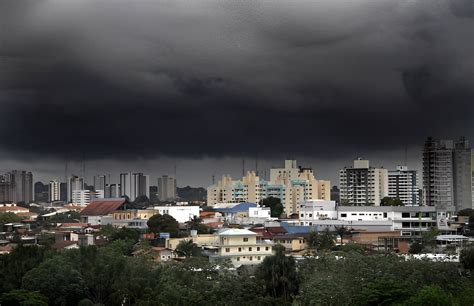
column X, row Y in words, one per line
column 66, row 225
column 102, row 207
column 13, row 208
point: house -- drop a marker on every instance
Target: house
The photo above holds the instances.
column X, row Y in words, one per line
column 182, row 214
column 241, row 247
column 292, row 242
column 13, row 208
column 65, row 245
column 162, row 254
column 101, row 208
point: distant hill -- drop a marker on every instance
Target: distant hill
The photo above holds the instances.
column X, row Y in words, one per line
column 191, row 194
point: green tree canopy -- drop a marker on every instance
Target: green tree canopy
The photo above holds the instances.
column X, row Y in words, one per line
column 388, row 201
column 467, row 258
column 20, row 297
column 321, row 241
column 186, row 248
column 57, row 279
column 9, row 217
column 163, row 224
column 278, row 273
column 276, row 208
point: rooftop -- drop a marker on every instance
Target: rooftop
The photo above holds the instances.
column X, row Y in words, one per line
column 237, row 232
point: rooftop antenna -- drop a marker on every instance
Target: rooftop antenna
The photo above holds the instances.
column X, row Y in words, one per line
column 243, row 167
column 84, row 166
column 213, row 179
column 174, row 171
column 256, row 164
column 406, row 156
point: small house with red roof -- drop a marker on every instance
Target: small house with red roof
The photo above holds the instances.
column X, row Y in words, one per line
column 100, row 208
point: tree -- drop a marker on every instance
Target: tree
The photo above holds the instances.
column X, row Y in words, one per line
column 415, row 248
column 342, row 231
column 20, row 297
column 194, row 223
column 321, row 241
column 58, row 280
column 276, row 208
column 278, row 273
column 142, row 201
column 431, row 295
column 388, row 201
column 186, row 248
column 9, row 217
column 163, row 224
column 467, row 258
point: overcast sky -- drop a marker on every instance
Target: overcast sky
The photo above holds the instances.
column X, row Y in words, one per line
column 146, row 85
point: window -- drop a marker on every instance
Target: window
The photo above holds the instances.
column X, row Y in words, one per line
column 258, row 248
column 246, row 239
column 250, row 249
column 405, row 215
column 266, row 248
column 258, row 257
column 343, row 215
column 240, row 249
column 227, row 250
column 250, row 258
column 238, row 258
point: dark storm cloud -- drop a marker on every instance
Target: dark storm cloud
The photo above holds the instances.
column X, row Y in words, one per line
column 124, row 80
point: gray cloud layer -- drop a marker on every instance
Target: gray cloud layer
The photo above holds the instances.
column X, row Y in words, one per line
column 128, row 79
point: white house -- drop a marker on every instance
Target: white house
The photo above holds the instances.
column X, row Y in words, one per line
column 182, row 214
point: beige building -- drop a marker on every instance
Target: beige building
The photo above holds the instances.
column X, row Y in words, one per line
column 362, row 185
column 240, row 246
column 291, row 184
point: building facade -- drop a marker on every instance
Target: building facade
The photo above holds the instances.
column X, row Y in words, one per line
column 403, row 185
column 447, row 173
column 134, row 185
column 54, row 191
column 362, row 185
column 166, row 188
column 75, row 183
column 18, row 186
column 291, row 184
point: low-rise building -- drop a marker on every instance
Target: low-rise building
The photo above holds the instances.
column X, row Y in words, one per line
column 182, row 214
column 240, row 246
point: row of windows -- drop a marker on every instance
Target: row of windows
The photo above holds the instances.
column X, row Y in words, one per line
column 227, row 250
column 250, row 258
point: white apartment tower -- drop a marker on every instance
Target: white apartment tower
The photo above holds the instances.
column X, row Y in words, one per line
column 134, row 185
column 74, row 183
column 403, row 184
column 362, row 185
column 54, row 191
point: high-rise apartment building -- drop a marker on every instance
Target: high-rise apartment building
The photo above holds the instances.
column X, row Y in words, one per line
column 362, row 185
column 20, row 186
column 85, row 197
column 403, row 185
column 54, row 191
column 291, row 184
column 134, row 185
column 112, row 191
column 447, row 174
column 100, row 182
column 75, row 183
column 166, row 188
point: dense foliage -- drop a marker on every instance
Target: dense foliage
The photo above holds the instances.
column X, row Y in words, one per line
column 109, row 275
column 276, row 208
